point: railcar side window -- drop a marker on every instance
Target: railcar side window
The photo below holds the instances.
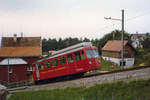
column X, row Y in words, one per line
column 77, row 56
column 41, row 67
column 70, row 59
column 54, row 62
column 82, row 55
column 62, row 60
column 47, row 64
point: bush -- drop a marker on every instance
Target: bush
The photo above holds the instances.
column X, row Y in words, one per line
column 147, row 59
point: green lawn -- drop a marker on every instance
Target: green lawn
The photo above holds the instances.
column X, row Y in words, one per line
column 108, row 66
column 134, row 90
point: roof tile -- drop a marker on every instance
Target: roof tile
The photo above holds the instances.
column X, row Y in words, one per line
column 25, row 51
column 114, row 45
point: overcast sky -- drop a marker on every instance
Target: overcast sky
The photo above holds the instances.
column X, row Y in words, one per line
column 72, row 18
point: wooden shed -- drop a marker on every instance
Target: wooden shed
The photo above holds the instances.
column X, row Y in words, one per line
column 112, row 52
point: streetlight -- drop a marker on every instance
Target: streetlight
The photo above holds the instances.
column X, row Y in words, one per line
column 122, row 38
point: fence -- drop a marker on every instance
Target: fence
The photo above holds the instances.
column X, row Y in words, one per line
column 14, row 84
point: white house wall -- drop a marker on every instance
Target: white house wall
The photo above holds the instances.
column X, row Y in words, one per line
column 129, row 61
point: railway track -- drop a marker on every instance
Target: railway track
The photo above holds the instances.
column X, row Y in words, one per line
column 123, row 75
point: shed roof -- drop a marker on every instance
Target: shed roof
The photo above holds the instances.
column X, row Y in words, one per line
column 21, row 41
column 114, row 45
column 12, row 61
column 26, row 51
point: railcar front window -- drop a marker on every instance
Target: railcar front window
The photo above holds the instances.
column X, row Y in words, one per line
column 96, row 53
column 92, row 53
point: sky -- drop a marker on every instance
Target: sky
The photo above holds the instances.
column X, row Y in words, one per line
column 72, row 18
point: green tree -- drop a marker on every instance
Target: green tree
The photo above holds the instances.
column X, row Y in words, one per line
column 114, row 35
column 44, row 45
column 146, row 42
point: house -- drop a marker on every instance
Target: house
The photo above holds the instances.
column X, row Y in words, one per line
column 112, row 52
column 16, row 56
column 137, row 39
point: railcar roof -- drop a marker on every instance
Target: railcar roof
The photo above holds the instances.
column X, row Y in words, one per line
column 53, row 56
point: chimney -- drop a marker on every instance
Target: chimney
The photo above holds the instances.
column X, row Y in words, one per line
column 15, row 38
column 21, row 34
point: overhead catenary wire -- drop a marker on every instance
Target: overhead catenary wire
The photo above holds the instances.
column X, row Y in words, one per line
column 141, row 15
column 129, row 19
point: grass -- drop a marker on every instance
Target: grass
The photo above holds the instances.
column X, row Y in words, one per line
column 133, row 90
column 108, row 66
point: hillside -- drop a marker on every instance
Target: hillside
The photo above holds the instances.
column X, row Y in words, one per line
column 133, row 90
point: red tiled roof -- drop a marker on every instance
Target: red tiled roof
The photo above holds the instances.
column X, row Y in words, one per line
column 115, row 45
column 25, row 51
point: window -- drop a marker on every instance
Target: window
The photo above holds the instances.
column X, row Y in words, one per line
column 54, row 62
column 62, row 60
column 41, row 67
column 29, row 68
column 47, row 64
column 127, row 54
column 70, row 59
column 77, row 56
column 92, row 53
column 10, row 70
column 82, row 55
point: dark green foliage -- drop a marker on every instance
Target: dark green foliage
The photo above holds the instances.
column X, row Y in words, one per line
column 114, row 35
column 147, row 59
column 146, row 42
column 134, row 90
column 53, row 44
column 142, row 55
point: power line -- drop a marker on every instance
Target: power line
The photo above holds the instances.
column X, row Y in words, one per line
column 129, row 19
column 138, row 16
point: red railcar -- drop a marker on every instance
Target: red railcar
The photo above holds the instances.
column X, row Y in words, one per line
column 76, row 59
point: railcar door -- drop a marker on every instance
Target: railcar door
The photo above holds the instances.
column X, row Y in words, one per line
column 79, row 58
column 37, row 72
column 71, row 64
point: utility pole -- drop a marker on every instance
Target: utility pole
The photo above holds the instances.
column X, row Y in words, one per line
column 122, row 37
column 8, row 73
column 122, row 53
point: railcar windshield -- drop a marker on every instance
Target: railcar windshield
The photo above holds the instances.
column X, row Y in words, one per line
column 92, row 53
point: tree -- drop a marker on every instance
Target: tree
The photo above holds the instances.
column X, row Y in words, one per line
column 53, row 44
column 44, row 45
column 114, row 35
column 146, row 42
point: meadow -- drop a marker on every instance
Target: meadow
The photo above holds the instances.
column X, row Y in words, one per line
column 133, row 90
